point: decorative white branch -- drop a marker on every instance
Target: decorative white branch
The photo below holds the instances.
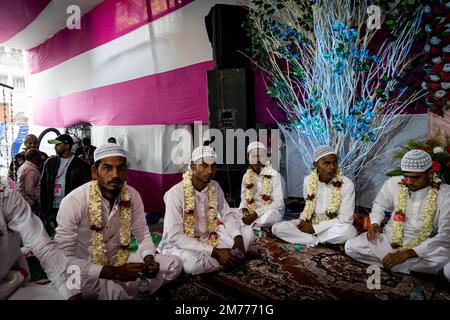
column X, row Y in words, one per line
column 314, row 101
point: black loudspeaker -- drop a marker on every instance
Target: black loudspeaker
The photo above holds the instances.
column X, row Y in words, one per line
column 227, row 36
column 231, row 106
column 231, row 99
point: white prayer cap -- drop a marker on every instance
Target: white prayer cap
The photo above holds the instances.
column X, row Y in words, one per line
column 203, row 151
column 109, row 150
column 322, row 151
column 416, row 161
column 255, row 145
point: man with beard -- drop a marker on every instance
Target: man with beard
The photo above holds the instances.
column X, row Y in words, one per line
column 95, row 223
column 417, row 235
column 330, row 204
column 199, row 226
column 61, row 174
column 262, row 195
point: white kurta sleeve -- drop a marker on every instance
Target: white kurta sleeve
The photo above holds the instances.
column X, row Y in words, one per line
column 20, row 219
column 139, row 226
column 442, row 237
column 384, row 201
column 346, row 209
column 305, row 187
column 305, row 190
column 173, row 234
column 69, row 219
column 230, row 217
column 277, row 196
column 243, row 203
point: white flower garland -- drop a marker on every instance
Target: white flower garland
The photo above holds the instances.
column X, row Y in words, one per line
column 400, row 215
column 332, row 211
column 189, row 205
column 97, row 225
column 249, row 184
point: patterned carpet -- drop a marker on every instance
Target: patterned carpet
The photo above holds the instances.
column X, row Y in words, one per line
column 315, row 274
column 318, row 273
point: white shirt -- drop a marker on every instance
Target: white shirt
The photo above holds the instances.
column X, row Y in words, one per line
column 276, row 192
column 17, row 222
column 323, row 200
column 74, row 234
column 415, row 205
column 174, row 235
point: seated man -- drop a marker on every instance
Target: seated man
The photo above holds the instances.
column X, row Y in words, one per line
column 18, row 223
column 95, row 222
column 330, row 204
column 199, row 226
column 417, row 235
column 262, row 196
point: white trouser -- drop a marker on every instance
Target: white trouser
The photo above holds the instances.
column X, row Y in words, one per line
column 336, row 234
column 169, row 269
column 195, row 262
column 10, row 283
column 14, row 279
column 360, row 249
column 35, row 291
column 268, row 218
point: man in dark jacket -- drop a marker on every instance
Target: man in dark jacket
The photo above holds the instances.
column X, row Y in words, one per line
column 86, row 151
column 61, row 174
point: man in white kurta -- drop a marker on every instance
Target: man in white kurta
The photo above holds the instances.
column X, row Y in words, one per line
column 74, row 234
column 430, row 256
column 254, row 210
column 197, row 254
column 335, row 230
column 18, row 223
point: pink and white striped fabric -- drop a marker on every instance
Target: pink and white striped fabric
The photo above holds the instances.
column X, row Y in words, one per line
column 16, row 15
column 136, row 70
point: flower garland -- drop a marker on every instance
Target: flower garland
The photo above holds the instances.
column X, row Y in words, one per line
column 97, row 225
column 400, row 215
column 436, row 58
column 335, row 202
column 249, row 192
column 189, row 204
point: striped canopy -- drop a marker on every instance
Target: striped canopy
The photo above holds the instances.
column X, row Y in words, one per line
column 135, row 70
